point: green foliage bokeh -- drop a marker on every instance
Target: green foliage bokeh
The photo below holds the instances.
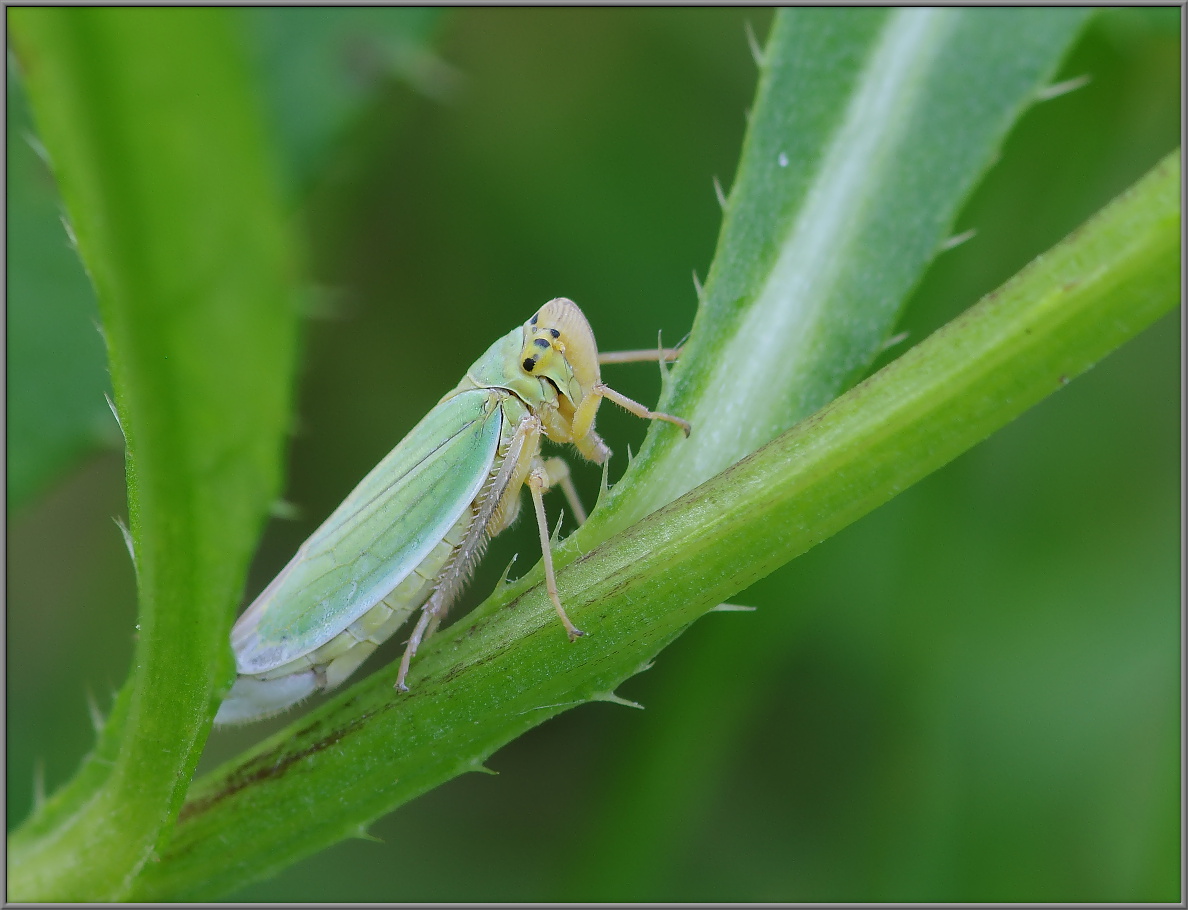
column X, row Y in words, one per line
column 983, row 699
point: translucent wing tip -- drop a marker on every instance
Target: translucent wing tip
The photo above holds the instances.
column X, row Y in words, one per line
column 253, row 699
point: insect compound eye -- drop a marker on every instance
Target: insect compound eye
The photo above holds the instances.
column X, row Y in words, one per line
column 540, row 350
column 555, row 333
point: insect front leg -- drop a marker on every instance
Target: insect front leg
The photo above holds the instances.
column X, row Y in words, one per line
column 647, row 355
column 583, row 418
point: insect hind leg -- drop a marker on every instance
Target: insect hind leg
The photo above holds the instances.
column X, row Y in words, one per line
column 410, row 649
column 495, row 509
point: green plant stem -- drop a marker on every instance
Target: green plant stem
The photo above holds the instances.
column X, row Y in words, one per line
column 162, row 163
column 870, row 130
column 483, row 683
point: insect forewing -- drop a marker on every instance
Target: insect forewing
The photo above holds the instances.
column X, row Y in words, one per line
column 380, row 533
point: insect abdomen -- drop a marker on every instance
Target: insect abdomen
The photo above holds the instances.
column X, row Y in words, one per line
column 331, row 663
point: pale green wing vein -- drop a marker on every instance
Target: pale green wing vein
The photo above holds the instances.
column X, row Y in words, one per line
column 379, row 534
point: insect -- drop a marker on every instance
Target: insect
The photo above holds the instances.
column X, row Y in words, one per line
column 411, row 532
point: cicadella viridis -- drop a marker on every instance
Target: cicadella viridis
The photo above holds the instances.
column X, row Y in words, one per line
column 408, row 536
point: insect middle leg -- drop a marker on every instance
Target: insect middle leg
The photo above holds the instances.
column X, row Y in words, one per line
column 522, row 465
column 558, row 476
column 538, row 481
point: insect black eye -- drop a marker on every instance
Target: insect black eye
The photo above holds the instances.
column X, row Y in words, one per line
column 528, row 364
column 555, row 333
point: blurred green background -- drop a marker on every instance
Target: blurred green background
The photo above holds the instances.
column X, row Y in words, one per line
column 973, row 694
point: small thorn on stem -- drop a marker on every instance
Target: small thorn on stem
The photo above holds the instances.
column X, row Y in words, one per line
column 1048, row 92
column 753, row 44
column 956, row 240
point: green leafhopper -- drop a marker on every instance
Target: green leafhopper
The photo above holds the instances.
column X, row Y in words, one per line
column 410, row 533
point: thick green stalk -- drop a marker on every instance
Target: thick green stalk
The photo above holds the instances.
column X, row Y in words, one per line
column 870, row 129
column 160, row 156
